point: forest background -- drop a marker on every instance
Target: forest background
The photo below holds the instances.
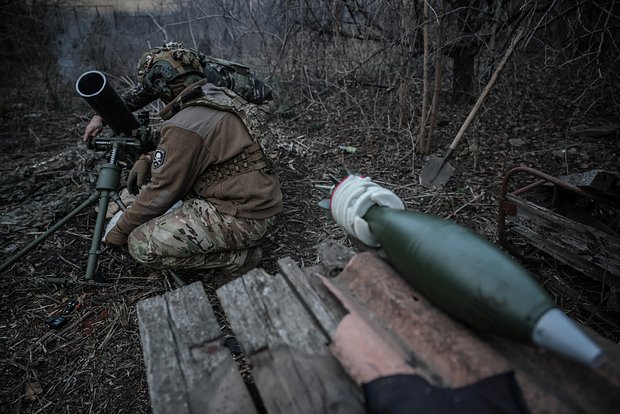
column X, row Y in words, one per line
column 362, row 86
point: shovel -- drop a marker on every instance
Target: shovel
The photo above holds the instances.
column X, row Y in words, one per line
column 437, row 171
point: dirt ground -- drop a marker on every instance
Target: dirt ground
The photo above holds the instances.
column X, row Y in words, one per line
column 94, row 363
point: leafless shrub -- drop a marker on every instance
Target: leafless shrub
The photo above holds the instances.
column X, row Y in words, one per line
column 307, row 49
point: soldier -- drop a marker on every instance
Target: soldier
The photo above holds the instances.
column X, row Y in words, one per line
column 209, row 156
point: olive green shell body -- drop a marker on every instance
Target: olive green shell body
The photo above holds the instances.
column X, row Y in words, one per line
column 460, row 272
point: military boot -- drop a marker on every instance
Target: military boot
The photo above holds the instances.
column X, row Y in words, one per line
column 249, row 260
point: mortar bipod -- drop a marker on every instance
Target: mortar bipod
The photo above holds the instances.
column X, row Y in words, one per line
column 107, row 183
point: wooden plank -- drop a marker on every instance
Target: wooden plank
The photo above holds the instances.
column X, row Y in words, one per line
column 292, row 381
column 163, row 370
column 598, row 181
column 292, row 366
column 262, row 310
column 187, row 368
column 584, row 248
column 451, row 354
column 322, row 304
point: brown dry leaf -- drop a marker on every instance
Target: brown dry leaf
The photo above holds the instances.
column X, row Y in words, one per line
column 32, row 389
column 516, row 142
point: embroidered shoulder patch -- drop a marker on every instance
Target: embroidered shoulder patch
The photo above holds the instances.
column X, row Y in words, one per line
column 158, row 158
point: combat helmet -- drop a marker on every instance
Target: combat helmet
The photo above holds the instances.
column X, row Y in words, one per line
column 160, row 66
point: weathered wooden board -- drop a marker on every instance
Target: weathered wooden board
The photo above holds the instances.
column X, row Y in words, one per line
column 292, row 381
column 263, row 311
column 584, row 248
column 450, row 354
column 321, row 303
column 293, row 369
column 188, row 370
column 598, row 181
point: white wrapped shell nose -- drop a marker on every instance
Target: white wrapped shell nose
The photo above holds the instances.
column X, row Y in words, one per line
column 352, row 199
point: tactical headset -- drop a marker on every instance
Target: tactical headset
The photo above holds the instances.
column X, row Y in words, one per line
column 160, row 66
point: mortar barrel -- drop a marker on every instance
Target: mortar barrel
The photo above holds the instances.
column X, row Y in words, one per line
column 94, row 87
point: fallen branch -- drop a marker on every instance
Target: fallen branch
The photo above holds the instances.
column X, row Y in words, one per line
column 487, row 89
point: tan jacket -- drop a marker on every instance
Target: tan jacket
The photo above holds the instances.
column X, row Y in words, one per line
column 192, row 141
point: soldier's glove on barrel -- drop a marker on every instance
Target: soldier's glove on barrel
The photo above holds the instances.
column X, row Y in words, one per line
column 113, row 236
column 135, row 180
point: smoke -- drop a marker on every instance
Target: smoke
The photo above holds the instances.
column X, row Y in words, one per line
column 70, row 45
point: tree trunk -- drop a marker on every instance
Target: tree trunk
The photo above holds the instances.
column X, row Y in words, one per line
column 425, row 87
column 430, row 142
column 469, row 16
column 463, row 75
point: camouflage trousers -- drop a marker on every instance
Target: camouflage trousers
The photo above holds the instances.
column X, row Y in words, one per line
column 196, row 236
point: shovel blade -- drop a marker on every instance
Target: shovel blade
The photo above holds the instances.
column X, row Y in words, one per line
column 436, row 172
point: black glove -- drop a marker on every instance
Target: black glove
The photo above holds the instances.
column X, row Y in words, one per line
column 135, row 180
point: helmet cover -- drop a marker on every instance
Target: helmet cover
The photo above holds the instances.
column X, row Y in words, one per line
column 159, row 66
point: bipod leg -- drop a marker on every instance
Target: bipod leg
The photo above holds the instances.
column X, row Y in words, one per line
column 95, row 244
column 117, row 199
column 109, row 176
column 49, row 231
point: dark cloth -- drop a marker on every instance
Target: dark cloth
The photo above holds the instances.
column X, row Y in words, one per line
column 413, row 394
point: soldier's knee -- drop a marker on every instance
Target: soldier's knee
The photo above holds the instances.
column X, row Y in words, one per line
column 138, row 247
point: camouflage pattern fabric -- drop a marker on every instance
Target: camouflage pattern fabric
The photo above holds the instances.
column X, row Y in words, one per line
column 137, row 98
column 196, row 236
column 255, row 118
column 238, row 79
column 168, row 63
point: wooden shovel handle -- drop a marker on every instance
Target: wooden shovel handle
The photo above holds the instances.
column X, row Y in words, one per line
column 489, row 86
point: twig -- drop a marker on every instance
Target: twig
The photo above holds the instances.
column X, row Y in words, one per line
column 159, row 26
column 487, row 89
column 404, row 67
column 438, row 78
column 68, row 262
column 109, row 334
column 191, row 32
column 37, row 138
column 425, row 70
column 455, row 212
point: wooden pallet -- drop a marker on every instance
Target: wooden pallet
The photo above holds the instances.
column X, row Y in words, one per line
column 578, row 239
column 586, row 249
column 284, row 324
